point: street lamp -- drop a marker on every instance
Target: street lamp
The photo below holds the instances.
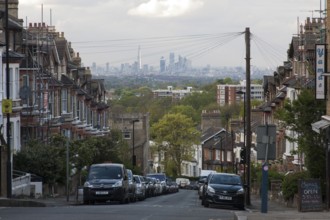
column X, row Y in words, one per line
column 133, row 154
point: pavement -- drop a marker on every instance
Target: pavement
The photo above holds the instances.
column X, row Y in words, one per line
column 275, row 210
column 41, row 202
column 278, row 211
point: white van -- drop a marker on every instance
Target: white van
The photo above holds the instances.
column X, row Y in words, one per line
column 205, row 173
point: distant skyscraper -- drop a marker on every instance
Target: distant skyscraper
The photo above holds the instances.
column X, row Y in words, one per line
column 94, row 67
column 172, row 62
column 139, row 58
column 162, row 64
column 107, row 68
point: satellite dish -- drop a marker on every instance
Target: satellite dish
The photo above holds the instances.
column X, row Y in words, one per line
column 24, row 92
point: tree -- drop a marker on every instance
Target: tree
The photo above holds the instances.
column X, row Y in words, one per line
column 178, row 135
column 186, row 110
column 298, row 117
column 46, row 161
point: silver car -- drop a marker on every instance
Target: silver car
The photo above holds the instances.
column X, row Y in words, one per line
column 140, row 187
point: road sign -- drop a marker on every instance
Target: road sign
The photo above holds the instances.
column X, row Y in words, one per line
column 266, row 136
column 7, row 106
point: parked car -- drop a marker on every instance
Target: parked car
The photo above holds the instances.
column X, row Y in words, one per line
column 158, row 187
column 151, row 186
column 140, row 187
column 182, row 182
column 107, row 181
column 193, row 185
column 223, row 189
column 162, row 178
column 201, row 182
column 132, row 186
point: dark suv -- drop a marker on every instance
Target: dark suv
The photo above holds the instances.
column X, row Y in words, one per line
column 107, row 181
column 223, row 189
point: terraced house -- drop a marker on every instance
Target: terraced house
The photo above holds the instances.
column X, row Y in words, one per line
column 50, row 90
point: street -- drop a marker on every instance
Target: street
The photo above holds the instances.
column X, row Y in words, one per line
column 183, row 205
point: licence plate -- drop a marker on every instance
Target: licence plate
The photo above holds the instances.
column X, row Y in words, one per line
column 101, row 193
column 225, row 197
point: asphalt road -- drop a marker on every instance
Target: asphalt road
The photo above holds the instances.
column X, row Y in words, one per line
column 183, row 205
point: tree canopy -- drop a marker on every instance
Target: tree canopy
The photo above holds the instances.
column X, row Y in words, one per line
column 177, row 135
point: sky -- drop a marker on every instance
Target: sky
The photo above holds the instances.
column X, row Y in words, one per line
column 206, row 32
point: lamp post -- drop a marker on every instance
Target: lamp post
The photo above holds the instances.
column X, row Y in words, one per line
column 133, row 154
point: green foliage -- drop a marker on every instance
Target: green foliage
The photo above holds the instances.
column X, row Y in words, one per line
column 298, row 117
column 176, row 133
column 227, row 112
column 225, row 81
column 201, row 101
column 188, row 111
column 47, row 161
column 290, row 184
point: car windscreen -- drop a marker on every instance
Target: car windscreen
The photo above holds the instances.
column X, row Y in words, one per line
column 137, row 179
column 129, row 174
column 161, row 177
column 225, row 179
column 105, row 172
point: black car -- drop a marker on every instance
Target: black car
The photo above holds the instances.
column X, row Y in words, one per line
column 223, row 189
column 107, row 181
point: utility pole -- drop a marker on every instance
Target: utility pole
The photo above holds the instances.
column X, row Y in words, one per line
column 248, row 116
column 9, row 177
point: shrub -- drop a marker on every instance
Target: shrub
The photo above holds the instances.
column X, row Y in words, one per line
column 290, row 184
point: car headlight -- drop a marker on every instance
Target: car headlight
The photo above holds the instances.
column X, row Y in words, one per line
column 88, row 185
column 118, row 184
column 240, row 191
column 210, row 190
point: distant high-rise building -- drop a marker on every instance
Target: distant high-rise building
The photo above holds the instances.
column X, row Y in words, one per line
column 145, row 68
column 162, row 64
column 107, row 68
column 139, row 58
column 227, row 94
column 172, row 62
column 94, row 68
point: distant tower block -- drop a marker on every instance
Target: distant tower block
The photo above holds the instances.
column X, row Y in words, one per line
column 139, row 58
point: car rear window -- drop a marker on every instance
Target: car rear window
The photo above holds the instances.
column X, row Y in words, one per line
column 105, row 172
column 225, row 179
column 161, row 177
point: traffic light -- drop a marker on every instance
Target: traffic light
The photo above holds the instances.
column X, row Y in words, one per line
column 243, row 155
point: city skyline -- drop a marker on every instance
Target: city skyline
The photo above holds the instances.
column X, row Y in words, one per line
column 207, row 32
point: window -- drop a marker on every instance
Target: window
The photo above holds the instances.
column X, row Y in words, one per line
column 222, row 155
column 210, row 155
column 229, row 156
column 127, row 135
column 16, row 84
column 26, row 84
column 217, row 155
column 78, row 109
column 64, row 102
